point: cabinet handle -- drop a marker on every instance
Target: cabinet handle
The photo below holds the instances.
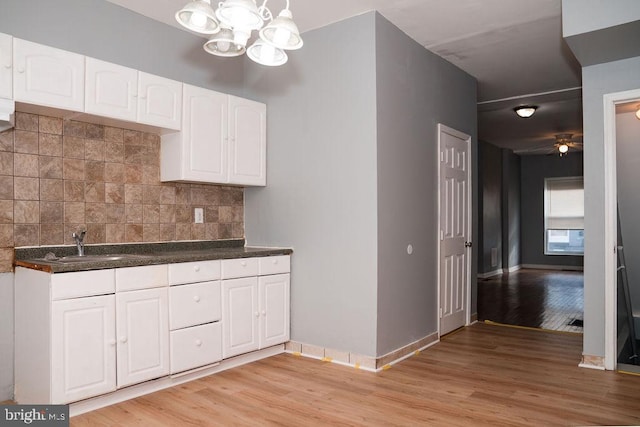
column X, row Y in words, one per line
column 123, row 340
column 198, row 343
column 196, row 268
column 196, row 298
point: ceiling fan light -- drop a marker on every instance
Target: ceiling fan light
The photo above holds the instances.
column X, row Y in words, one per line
column 525, row 111
column 198, row 16
column 563, row 148
column 240, row 14
column 222, row 44
column 282, row 32
column 266, row 54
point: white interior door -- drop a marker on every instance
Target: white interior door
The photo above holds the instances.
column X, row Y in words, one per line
column 455, row 230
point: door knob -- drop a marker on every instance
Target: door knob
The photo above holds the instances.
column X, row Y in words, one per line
column 467, row 244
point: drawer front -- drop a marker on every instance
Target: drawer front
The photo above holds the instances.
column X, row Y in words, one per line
column 82, row 284
column 195, row 347
column 193, row 272
column 145, row 277
column 274, row 265
column 194, row 304
column 242, row 267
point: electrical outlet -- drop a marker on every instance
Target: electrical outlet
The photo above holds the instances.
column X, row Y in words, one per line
column 198, row 215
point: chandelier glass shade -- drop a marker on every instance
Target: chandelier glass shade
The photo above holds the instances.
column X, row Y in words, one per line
column 231, row 26
column 525, row 111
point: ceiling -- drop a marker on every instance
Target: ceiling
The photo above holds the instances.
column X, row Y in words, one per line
column 514, row 48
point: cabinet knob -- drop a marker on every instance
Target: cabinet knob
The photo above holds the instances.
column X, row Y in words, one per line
column 196, row 298
column 112, row 342
column 123, row 340
column 243, row 263
column 20, row 70
column 7, row 66
column 275, row 261
column 257, row 314
column 196, row 268
column 198, row 343
column 264, row 313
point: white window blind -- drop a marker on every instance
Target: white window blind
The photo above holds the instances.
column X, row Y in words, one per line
column 564, row 203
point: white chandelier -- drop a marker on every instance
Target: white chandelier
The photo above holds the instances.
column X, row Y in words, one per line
column 233, row 22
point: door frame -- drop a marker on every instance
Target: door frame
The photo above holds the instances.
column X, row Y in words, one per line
column 442, row 129
column 611, row 222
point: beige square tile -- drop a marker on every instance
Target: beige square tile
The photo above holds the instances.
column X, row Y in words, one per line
column 114, row 193
column 26, row 188
column 167, row 214
column 52, row 234
column 114, row 172
column 26, row 234
column 50, row 167
column 198, row 232
column 51, row 189
column 312, row 350
column 183, row 231
column 72, row 147
column 74, row 129
column 133, row 193
column 132, row 137
column 238, row 213
column 26, row 165
column 94, row 171
column 6, row 235
column 237, row 230
column 50, row 145
column 150, row 140
column 113, row 134
column 114, row 151
column 133, row 233
column 151, row 214
column 225, row 214
column 96, row 233
column 151, row 232
column 94, row 131
column 115, row 233
column 26, row 121
column 134, row 154
column 6, row 140
column 74, row 213
column 6, row 188
column 6, row 260
column 133, row 174
column 94, row 150
column 52, row 125
column 115, row 214
column 6, row 163
column 211, row 214
column 74, row 191
column 336, row 355
column 51, row 212
column 133, row 213
column 292, row 346
column 150, row 175
column 72, row 228
column 95, row 213
column 225, row 230
column 73, row 169
column 183, row 214
column 211, row 231
column 26, row 142
column 168, row 194
column 183, row 194
column 94, row 192
column 26, row 212
column 201, row 195
column 6, row 211
column 167, row 232
column 151, row 194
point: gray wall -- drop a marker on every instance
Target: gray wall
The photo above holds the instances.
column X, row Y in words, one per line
column 628, row 176
column 321, row 183
column 598, row 80
column 534, row 171
column 416, row 90
column 490, row 161
column 510, row 209
column 583, row 16
column 6, row 336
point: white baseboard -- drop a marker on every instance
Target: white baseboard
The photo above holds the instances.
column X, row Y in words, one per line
column 513, row 268
column 490, row 274
column 553, row 267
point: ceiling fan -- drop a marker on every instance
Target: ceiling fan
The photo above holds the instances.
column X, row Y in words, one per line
column 564, row 144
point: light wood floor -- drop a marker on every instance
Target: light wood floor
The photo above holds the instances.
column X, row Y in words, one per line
column 481, row 375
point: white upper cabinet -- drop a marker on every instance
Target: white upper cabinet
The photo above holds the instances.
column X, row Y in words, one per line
column 223, row 140
column 6, row 65
column 111, row 90
column 247, row 142
column 46, row 76
column 159, row 101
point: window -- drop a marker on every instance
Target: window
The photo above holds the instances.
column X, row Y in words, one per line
column 564, row 216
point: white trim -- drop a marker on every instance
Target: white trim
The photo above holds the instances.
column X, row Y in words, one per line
column 610, row 101
column 488, row 274
column 553, row 267
column 512, row 269
column 406, row 356
column 445, row 129
column 590, row 366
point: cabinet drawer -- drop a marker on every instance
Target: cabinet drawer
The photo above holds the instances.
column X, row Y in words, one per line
column 243, row 267
column 192, row 272
column 274, row 265
column 82, row 284
column 196, row 346
column 145, row 277
column 195, row 304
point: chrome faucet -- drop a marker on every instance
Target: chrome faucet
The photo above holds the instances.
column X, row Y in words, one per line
column 79, row 239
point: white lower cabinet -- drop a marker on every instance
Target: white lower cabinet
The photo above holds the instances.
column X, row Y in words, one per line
column 241, row 316
column 274, row 309
column 195, row 346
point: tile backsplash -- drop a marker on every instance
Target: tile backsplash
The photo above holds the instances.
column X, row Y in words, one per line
column 57, row 176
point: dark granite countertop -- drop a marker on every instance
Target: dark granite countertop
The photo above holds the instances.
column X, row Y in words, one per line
column 138, row 254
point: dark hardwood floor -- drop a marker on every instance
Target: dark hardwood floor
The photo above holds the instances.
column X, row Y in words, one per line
column 545, row 299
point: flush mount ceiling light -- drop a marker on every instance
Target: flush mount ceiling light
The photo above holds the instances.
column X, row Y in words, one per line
column 232, row 24
column 525, row 111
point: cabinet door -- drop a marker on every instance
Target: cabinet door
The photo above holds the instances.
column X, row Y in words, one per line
column 6, row 61
column 204, row 131
column 247, row 142
column 83, row 348
column 274, row 309
column 47, row 76
column 111, row 90
column 159, row 101
column 142, row 326
column 240, row 316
